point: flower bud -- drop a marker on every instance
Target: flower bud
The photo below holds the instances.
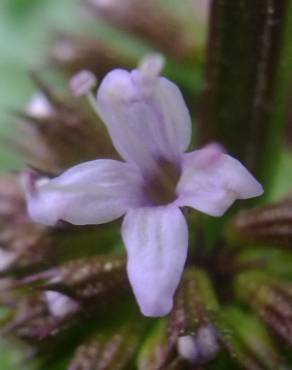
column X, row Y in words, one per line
column 92, row 281
column 270, row 298
column 108, row 350
column 157, row 351
column 12, row 203
column 53, row 132
column 187, row 334
column 269, row 224
column 191, row 325
column 195, row 303
column 170, row 34
column 24, row 246
column 73, row 53
column 199, row 348
column 33, row 320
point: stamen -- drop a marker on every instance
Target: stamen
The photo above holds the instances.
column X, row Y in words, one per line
column 151, row 65
column 82, row 83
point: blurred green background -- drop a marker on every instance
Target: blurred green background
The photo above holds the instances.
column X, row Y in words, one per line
column 25, row 33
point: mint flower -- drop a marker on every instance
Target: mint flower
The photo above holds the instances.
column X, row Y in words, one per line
column 150, row 127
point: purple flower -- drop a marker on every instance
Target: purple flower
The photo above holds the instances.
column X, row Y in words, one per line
column 150, row 126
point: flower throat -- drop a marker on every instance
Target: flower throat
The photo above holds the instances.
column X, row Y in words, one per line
column 161, row 186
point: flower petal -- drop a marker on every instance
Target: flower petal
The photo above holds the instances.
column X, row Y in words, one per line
column 156, row 240
column 211, row 181
column 93, row 192
column 145, row 115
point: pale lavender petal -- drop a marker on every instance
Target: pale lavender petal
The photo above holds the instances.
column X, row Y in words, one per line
column 93, row 192
column 211, row 181
column 156, row 240
column 145, row 115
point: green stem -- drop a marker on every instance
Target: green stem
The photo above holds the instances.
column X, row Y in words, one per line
column 244, row 98
column 281, row 106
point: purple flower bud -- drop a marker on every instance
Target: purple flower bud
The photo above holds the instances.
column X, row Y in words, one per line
column 199, row 348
